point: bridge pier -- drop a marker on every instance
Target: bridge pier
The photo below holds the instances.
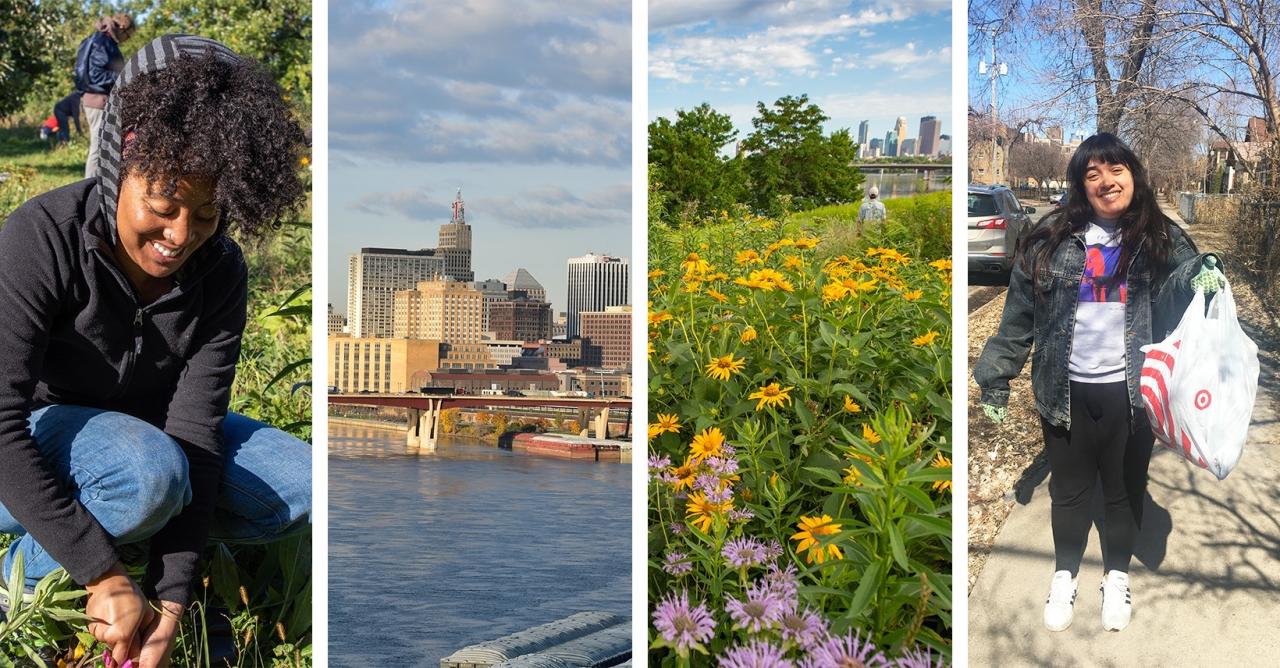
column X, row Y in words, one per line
column 413, row 436
column 602, row 423
column 430, row 424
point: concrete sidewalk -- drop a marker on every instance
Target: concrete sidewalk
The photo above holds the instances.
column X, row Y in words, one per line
column 1205, row 577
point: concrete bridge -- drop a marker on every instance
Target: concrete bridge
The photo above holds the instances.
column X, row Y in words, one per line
column 425, row 409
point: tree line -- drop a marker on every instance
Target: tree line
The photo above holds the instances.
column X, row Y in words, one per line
column 39, row 38
column 697, row 167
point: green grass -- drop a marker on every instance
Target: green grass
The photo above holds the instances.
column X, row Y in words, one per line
column 265, row 591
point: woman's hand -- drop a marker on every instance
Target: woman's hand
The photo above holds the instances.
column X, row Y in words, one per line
column 158, row 636
column 1210, row 279
column 119, row 611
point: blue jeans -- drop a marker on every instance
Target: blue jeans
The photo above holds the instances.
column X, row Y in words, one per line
column 132, row 477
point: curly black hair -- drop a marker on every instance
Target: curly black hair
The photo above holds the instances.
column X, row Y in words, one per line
column 204, row 116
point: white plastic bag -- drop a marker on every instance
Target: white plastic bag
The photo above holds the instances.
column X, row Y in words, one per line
column 1199, row 384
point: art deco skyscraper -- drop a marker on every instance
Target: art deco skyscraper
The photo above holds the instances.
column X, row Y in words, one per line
column 455, row 244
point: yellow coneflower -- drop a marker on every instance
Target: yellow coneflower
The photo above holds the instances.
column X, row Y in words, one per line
column 721, row 368
column 685, row 473
column 834, row 292
column 793, row 262
column 772, row 394
column 870, row 434
column 656, row 273
column 654, row 430
column 659, row 317
column 941, row 462
column 701, row 513
column 941, row 265
column 913, row 295
column 850, row 406
column 748, row 335
column 852, row 476
column 718, row 296
column 806, row 243
column 694, row 265
column 925, row 339
column 707, row 443
column 668, row 422
column 810, row 529
column 747, row 257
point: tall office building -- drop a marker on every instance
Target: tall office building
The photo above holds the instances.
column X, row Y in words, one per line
column 900, row 129
column 521, row 319
column 944, row 145
column 596, row 282
column 908, row 146
column 930, row 136
column 864, row 128
column 606, row 337
column 441, row 310
column 455, row 244
column 493, row 291
column 374, row 275
column 520, row 279
column 877, row 147
column 891, row 143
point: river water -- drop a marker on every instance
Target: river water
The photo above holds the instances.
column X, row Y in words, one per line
column 429, row 553
column 902, row 185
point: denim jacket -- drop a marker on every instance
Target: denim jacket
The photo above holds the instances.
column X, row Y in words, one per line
column 1156, row 300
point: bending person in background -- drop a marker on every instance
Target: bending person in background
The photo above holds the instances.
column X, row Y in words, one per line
column 67, row 111
column 124, row 302
column 1091, row 284
column 98, row 63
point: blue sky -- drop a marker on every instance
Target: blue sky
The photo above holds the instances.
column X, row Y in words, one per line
column 528, row 111
column 859, row 61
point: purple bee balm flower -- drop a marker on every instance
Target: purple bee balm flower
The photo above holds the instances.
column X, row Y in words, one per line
column 677, row 563
column 659, row 462
column 847, row 650
column 772, row 550
column 784, row 582
column 741, row 514
column 755, row 654
column 723, row 466
column 743, row 552
column 760, row 610
column 678, row 528
column 919, row 658
column 707, row 483
column 682, row 626
column 728, row 451
column 805, row 628
column 722, row 495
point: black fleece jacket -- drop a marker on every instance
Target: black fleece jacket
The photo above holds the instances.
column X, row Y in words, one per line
column 73, row 332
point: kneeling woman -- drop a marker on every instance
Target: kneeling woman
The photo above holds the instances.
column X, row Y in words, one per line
column 1091, row 285
column 123, row 302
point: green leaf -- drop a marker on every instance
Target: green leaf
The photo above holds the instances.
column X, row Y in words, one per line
column 895, row 543
column 866, row 587
column 288, row 369
column 225, row 576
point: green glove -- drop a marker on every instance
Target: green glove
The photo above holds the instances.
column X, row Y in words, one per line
column 1210, row 279
column 995, row 413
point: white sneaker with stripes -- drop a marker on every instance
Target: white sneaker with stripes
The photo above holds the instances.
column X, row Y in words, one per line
column 1117, row 607
column 1060, row 606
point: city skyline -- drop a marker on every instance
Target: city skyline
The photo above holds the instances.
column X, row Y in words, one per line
column 871, row 64
column 424, row 101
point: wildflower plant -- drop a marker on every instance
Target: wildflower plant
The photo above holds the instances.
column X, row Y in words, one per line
column 800, row 459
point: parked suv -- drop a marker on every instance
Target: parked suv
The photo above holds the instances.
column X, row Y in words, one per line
column 996, row 222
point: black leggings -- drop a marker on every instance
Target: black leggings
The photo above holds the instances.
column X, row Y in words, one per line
column 1098, row 444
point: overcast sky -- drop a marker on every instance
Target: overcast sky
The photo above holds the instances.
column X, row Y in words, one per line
column 859, row 61
column 528, row 111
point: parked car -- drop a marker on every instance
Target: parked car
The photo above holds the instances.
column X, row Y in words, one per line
column 1058, row 199
column 996, row 222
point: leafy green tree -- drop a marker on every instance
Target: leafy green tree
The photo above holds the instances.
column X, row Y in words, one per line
column 27, row 33
column 691, row 175
column 791, row 162
column 275, row 32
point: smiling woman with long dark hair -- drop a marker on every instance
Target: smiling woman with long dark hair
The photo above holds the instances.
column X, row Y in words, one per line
column 1091, row 285
column 123, row 302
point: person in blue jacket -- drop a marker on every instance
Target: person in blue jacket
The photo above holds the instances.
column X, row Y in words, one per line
column 98, row 64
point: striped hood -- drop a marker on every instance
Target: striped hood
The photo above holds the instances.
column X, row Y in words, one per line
column 155, row 55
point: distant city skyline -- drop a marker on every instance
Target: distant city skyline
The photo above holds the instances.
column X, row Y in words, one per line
column 424, row 101
column 871, row 64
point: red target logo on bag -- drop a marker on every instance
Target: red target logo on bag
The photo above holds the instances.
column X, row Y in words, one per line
column 1203, row 399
